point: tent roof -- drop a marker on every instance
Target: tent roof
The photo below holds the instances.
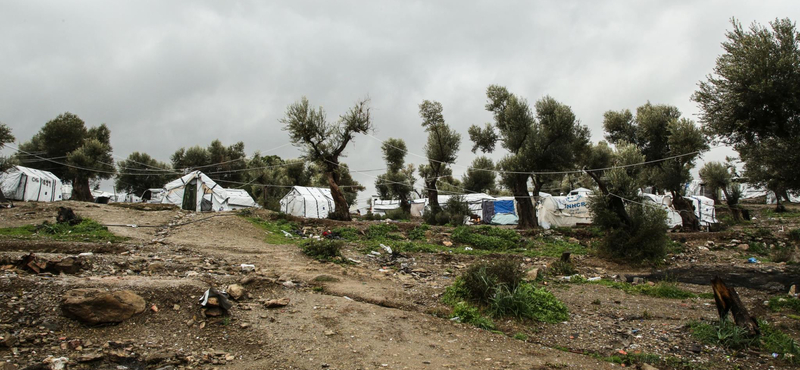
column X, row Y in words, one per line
column 312, row 192
column 240, row 197
column 34, row 172
column 218, row 191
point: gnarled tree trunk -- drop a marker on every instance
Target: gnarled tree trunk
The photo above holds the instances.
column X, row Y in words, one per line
column 342, row 209
column 527, row 214
column 684, row 207
column 433, row 195
column 81, row 190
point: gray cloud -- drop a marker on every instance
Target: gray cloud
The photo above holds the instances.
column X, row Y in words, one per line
column 164, row 75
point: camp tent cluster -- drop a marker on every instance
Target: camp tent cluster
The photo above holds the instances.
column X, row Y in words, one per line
column 196, row 191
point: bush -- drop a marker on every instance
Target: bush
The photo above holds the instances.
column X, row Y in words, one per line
column 418, row 233
column 481, row 280
column 397, row 214
column 346, row 233
column 724, row 333
column 454, row 212
column 562, row 268
column 323, row 249
column 644, row 239
column 527, row 302
column 794, row 235
column 487, row 237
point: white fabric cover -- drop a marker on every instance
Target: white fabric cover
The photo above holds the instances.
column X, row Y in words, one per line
column 474, row 200
column 564, row 211
column 308, row 202
column 207, row 190
column 704, row 209
column 29, row 184
column 240, row 198
column 380, row 206
column 665, row 202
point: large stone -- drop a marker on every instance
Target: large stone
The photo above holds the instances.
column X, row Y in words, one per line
column 97, row 306
column 236, row 291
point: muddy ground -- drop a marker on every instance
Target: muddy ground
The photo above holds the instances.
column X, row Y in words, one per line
column 355, row 316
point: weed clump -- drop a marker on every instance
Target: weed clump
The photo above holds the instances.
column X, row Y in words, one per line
column 643, row 238
column 381, row 231
column 323, row 250
column 498, row 289
column 418, row 233
column 727, row 334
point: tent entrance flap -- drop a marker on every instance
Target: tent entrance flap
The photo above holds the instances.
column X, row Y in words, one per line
column 190, row 196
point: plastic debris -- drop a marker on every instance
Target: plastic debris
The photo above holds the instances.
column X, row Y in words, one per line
column 386, row 248
column 596, row 278
column 287, row 234
column 467, row 248
column 247, row 267
column 752, row 260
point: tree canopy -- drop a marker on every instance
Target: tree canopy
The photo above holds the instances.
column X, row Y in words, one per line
column 223, row 164
column 480, row 176
column 752, row 101
column 398, row 181
column 140, row 172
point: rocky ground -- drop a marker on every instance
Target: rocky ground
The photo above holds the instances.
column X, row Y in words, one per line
column 298, row 313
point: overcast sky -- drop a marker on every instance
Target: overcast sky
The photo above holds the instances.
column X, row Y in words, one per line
column 167, row 74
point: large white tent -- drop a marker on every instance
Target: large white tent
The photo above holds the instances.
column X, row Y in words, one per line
column 564, row 211
column 196, row 192
column 308, row 202
column 29, row 184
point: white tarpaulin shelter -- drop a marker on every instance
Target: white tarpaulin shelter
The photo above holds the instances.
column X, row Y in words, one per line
column 665, row 202
column 196, row 192
column 308, row 202
column 380, row 206
column 29, row 184
column 564, row 211
column 474, row 200
column 240, row 198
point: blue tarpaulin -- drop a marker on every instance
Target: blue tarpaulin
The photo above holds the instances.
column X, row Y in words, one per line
column 504, row 206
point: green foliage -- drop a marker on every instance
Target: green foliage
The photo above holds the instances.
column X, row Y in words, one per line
column 758, row 248
column 346, row 233
column 323, row 250
column 775, row 341
column 471, row 315
column 784, row 303
column 643, row 238
column 87, row 230
column 454, row 212
column 486, row 237
column 551, row 247
column 724, row 333
column 527, row 302
column 140, row 172
column 521, row 336
column 562, row 268
column 397, row 214
column 750, row 100
column 480, row 176
column 794, row 235
column 418, row 233
column 275, row 229
column 481, row 280
column 381, row 231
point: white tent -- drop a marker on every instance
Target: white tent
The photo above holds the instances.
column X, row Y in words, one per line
column 240, row 198
column 380, row 206
column 564, row 211
column 308, row 202
column 474, row 200
column 704, row 209
column 197, row 192
column 29, row 184
column 665, row 202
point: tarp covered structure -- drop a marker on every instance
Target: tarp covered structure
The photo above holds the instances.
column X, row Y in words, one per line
column 196, row 192
column 564, row 211
column 380, row 206
column 29, row 184
column 308, row 202
column 665, row 203
column 474, row 200
column 240, row 198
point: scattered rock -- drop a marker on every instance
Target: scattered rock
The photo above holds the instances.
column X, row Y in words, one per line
column 447, row 243
column 743, row 246
column 96, row 306
column 648, row 367
column 532, row 274
column 273, row 303
column 236, row 291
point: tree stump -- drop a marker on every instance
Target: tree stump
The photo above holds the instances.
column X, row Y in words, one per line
column 727, row 300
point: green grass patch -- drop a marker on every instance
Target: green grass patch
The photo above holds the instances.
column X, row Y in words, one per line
column 521, row 336
column 728, row 335
column 528, row 302
column 487, row 237
column 346, row 233
column 662, row 289
column 383, row 232
column 275, row 230
column 87, row 230
column 784, row 303
column 469, row 314
column 551, row 247
column 418, row 233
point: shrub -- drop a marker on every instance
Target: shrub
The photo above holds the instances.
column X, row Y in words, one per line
column 481, row 280
column 794, row 235
column 487, row 237
column 782, row 254
column 645, row 238
column 562, row 268
column 724, row 333
column 527, row 302
column 418, row 233
column 781, row 303
column 454, row 212
column 397, row 214
column 346, row 233
column 323, row 249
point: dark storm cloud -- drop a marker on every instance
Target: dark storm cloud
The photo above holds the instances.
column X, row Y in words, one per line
column 164, row 75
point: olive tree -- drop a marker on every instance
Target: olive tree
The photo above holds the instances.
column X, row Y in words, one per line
column 441, row 149
column 323, row 142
